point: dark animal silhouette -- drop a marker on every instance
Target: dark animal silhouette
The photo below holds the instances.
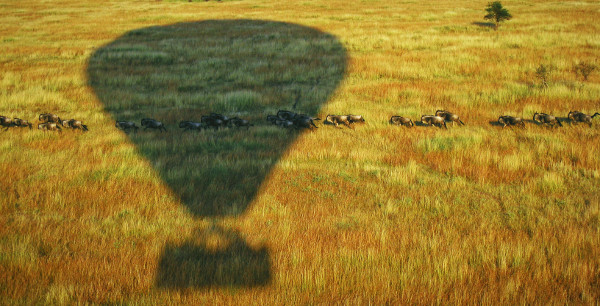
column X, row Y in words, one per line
column 238, row 122
column 22, row 123
column 511, row 121
column 579, row 117
column 288, row 119
column 286, row 115
column 6, row 122
column 434, row 120
column 190, row 125
column 282, row 123
column 304, row 121
column 212, row 121
column 546, row 119
column 448, row 116
column 399, row 120
column 126, row 126
column 224, row 119
column 273, row 119
column 153, row 124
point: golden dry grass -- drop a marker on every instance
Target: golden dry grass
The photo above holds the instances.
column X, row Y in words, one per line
column 378, row 214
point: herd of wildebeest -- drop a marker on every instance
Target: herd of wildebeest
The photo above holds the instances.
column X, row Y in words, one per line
column 47, row 122
column 288, row 120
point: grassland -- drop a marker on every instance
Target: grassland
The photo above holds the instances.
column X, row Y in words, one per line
column 377, row 214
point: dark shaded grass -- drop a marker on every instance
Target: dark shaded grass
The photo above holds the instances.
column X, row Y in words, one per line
column 244, row 68
column 194, row 264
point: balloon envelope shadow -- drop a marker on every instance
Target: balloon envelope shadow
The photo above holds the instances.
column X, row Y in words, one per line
column 241, row 68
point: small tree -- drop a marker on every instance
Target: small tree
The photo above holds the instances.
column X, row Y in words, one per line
column 496, row 13
column 543, row 73
column 584, row 69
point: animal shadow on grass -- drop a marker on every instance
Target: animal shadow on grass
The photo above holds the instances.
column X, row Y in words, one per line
column 530, row 121
column 537, row 123
column 490, row 25
column 495, row 123
column 245, row 68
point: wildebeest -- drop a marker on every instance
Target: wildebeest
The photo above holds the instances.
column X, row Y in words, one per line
column 355, row 118
column 304, row 121
column 282, row 123
column 399, row 120
column 126, row 126
column 434, row 120
column 153, row 124
column 47, row 117
column 546, row 119
column 273, row 119
column 448, row 116
column 286, row 115
column 577, row 117
column 338, row 119
column 74, row 124
column 512, row 121
column 212, row 121
column 22, row 123
column 289, row 119
column 49, row 126
column 6, row 122
column 239, row 122
column 190, row 125
column 224, row 119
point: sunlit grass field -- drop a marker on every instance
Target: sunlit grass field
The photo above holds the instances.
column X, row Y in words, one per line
column 375, row 214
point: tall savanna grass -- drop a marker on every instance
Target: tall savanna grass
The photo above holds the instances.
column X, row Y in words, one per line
column 375, row 214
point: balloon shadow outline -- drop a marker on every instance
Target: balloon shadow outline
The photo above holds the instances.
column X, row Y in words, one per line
column 243, row 68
